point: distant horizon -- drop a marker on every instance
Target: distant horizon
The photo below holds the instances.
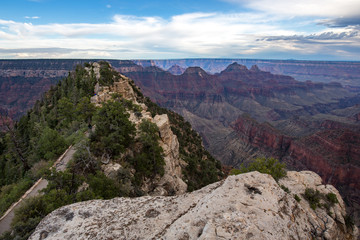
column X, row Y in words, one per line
column 173, row 59
column 327, row 30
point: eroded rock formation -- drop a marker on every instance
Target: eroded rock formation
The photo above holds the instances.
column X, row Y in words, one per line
column 171, row 182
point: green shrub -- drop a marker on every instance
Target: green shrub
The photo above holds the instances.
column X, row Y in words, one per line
column 285, row 188
column 297, row 198
column 51, row 144
column 270, row 166
column 39, row 169
column 28, row 216
column 349, row 221
column 331, row 197
column 114, row 132
column 103, row 187
column 313, row 197
column 10, row 194
column 150, row 160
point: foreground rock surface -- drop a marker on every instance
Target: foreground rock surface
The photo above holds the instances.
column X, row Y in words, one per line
column 247, row 206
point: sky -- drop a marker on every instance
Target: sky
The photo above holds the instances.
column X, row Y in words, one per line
column 171, row 29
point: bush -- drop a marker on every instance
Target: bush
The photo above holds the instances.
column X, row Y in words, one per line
column 51, row 144
column 297, row 198
column 150, row 161
column 349, row 221
column 285, row 188
column 114, row 132
column 313, row 197
column 104, row 187
column 270, row 166
column 331, row 197
column 11, row 193
column 39, row 169
column 28, row 216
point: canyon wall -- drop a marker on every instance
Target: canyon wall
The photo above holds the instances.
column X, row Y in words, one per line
column 347, row 73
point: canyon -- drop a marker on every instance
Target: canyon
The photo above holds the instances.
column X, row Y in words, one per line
column 347, row 73
column 241, row 110
column 246, row 113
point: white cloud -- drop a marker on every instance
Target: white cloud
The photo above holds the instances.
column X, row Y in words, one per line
column 108, row 6
column 186, row 35
column 34, row 17
column 314, row 8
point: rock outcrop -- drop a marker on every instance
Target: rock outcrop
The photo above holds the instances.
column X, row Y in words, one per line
column 176, row 70
column 247, row 206
column 171, row 182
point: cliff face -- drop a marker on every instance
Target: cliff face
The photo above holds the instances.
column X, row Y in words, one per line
column 246, row 206
column 18, row 94
column 334, row 153
column 22, row 82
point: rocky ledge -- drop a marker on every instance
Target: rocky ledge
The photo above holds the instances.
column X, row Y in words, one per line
column 247, row 206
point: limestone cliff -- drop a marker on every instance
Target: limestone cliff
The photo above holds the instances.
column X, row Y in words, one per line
column 247, row 206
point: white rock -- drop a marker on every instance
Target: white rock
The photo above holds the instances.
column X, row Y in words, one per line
column 111, row 169
column 247, row 206
column 171, row 182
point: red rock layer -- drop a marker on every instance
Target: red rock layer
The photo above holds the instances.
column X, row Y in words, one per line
column 333, row 153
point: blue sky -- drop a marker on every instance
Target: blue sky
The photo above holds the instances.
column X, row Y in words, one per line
column 114, row 29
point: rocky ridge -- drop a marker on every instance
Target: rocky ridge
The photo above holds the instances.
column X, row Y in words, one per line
column 246, row 206
column 171, row 182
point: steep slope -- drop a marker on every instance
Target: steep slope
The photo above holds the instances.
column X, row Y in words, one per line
column 245, row 206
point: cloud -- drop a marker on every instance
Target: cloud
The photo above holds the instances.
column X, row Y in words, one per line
column 108, row 6
column 313, row 8
column 325, row 36
column 353, row 22
column 186, row 35
column 34, row 17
